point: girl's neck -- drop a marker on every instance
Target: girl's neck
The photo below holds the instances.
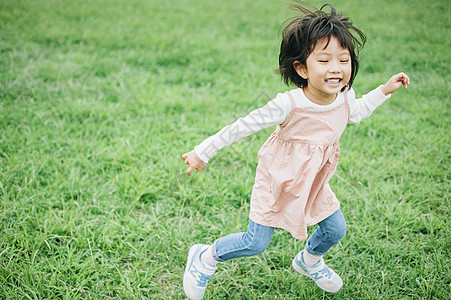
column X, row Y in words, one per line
column 318, row 98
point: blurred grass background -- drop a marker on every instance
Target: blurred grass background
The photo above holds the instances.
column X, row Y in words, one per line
column 99, row 100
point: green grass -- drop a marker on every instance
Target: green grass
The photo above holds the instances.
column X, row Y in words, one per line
column 99, row 100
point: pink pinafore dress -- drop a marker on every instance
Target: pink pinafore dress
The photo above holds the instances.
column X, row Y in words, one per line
column 295, row 164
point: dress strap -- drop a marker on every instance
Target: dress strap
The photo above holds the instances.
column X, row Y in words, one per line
column 291, row 100
column 345, row 95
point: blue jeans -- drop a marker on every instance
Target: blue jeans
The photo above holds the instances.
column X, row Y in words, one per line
column 257, row 237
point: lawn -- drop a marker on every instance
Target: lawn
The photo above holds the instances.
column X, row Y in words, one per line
column 99, row 99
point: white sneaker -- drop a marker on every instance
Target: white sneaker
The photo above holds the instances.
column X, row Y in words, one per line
column 197, row 273
column 324, row 277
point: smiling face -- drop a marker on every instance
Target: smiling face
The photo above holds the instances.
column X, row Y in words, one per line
column 327, row 71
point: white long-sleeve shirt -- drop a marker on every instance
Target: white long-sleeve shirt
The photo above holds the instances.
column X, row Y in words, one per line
column 277, row 110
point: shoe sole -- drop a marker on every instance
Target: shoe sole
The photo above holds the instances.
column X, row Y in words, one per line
column 190, row 257
column 189, row 261
column 300, row 271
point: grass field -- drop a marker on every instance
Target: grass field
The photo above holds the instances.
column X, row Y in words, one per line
column 99, row 100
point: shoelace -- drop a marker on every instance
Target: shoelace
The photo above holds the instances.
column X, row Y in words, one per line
column 203, row 279
column 327, row 272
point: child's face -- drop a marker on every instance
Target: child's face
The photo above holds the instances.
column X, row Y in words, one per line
column 327, row 71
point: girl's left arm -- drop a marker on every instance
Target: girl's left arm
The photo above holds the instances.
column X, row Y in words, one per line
column 394, row 83
column 363, row 108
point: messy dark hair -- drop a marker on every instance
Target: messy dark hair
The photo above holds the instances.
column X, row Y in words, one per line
column 303, row 32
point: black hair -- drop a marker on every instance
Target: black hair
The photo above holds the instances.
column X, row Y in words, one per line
column 303, row 32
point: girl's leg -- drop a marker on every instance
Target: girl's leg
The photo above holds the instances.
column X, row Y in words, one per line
column 309, row 261
column 252, row 242
column 329, row 232
column 202, row 259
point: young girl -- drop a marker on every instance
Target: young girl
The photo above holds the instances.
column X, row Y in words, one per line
column 319, row 55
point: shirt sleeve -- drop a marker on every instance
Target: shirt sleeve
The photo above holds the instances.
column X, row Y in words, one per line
column 363, row 107
column 273, row 113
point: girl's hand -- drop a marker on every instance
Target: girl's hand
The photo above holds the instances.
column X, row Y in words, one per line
column 394, row 83
column 194, row 162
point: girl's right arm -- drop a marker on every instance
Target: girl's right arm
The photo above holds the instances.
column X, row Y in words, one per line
column 194, row 162
column 273, row 113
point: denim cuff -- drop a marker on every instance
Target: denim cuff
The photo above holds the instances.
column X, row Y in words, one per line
column 215, row 254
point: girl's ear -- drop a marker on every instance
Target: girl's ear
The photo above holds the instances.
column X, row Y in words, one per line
column 300, row 69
